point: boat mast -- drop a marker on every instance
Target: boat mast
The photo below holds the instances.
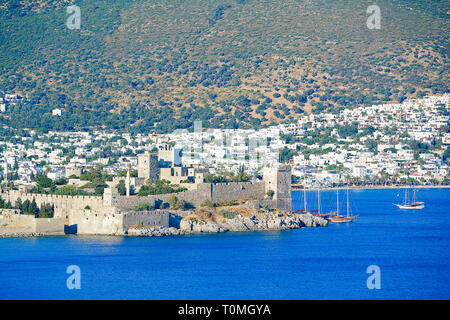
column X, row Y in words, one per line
column 347, row 203
column 337, row 202
column 304, row 195
column 318, row 201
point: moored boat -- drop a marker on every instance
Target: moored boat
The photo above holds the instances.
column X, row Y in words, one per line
column 317, row 212
column 415, row 205
column 339, row 218
column 410, row 205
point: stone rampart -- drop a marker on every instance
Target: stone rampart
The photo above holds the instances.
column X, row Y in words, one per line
column 62, row 204
column 110, row 214
column 204, row 191
column 146, row 219
column 49, row 225
column 88, row 222
column 37, row 225
column 237, row 190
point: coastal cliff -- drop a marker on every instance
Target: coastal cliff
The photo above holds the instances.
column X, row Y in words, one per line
column 207, row 222
column 260, row 221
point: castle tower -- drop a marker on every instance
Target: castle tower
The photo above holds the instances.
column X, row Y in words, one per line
column 148, row 166
column 168, row 156
column 110, row 196
column 278, row 179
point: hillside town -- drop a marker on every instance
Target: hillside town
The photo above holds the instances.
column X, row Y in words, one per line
column 405, row 143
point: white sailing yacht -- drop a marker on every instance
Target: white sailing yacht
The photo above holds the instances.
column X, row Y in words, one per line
column 410, row 204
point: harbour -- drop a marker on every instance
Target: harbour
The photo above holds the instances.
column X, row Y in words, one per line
column 410, row 248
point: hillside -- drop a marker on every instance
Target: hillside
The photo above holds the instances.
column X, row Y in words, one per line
column 159, row 65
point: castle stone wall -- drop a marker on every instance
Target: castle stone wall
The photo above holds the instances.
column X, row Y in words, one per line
column 87, row 222
column 128, row 203
column 107, row 214
column 49, row 225
column 63, row 204
column 38, row 225
column 237, row 190
column 205, row 191
column 146, row 219
column 13, row 217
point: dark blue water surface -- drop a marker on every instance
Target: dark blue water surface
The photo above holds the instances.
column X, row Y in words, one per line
column 410, row 247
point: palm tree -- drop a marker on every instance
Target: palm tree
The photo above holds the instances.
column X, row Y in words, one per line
column 395, row 177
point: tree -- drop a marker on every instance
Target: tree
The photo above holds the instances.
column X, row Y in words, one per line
column 28, row 207
column 44, row 182
column 68, row 191
column 46, row 211
column 241, row 177
column 371, row 145
column 286, row 154
column 33, row 208
column 121, row 188
column 446, row 156
column 61, row 181
column 19, row 204
column 348, row 130
column 177, row 204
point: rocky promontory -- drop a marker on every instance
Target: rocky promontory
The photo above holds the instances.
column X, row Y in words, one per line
column 155, row 231
column 256, row 222
column 231, row 219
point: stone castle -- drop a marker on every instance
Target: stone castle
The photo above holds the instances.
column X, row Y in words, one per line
column 113, row 213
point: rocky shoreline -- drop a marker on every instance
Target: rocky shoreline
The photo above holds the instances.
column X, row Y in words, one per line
column 155, row 232
column 259, row 222
column 195, row 224
column 27, row 234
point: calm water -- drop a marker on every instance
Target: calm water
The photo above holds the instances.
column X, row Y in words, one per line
column 410, row 247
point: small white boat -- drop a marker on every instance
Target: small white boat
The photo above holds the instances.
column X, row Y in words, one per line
column 410, row 205
column 414, row 205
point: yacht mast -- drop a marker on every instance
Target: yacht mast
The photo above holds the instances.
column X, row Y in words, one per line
column 318, row 201
column 337, row 202
column 304, row 195
column 347, row 203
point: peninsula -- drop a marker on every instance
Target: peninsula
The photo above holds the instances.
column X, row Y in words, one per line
column 164, row 198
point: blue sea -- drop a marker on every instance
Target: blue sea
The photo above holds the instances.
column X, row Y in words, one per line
column 411, row 249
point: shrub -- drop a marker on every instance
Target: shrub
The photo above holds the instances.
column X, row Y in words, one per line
column 228, row 214
column 178, row 204
column 143, row 207
column 208, row 203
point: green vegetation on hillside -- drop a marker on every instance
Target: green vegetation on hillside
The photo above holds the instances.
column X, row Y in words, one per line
column 159, row 187
column 142, row 65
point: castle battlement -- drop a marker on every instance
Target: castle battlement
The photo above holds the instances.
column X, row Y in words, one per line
column 92, row 213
